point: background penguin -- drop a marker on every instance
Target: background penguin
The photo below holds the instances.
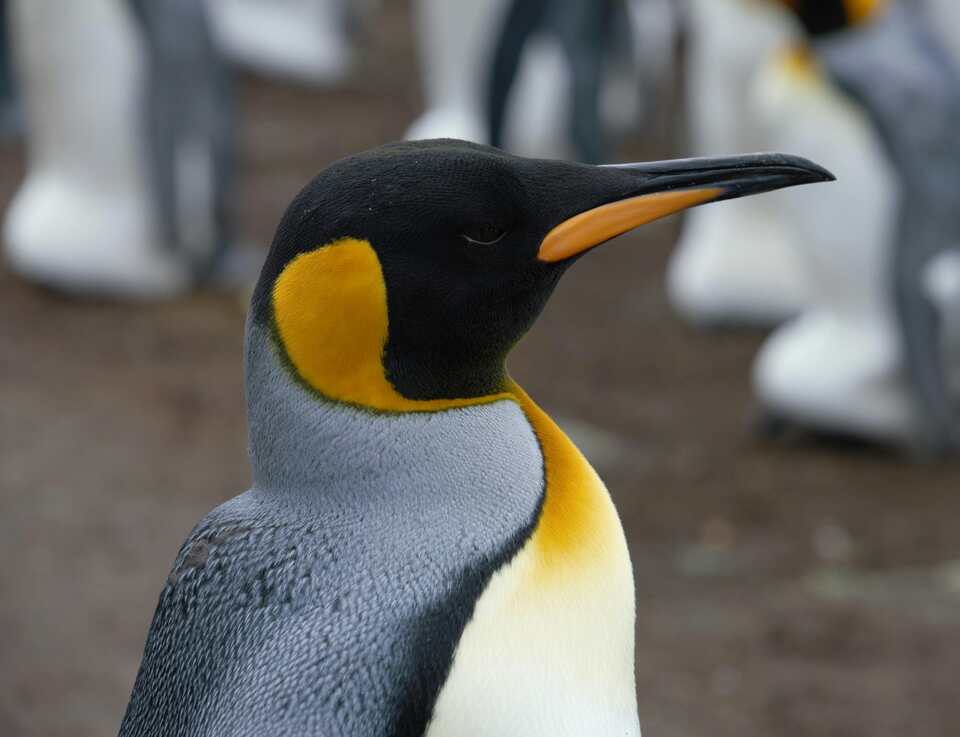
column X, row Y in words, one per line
column 138, row 184
column 837, row 366
column 872, row 356
column 423, row 551
column 945, row 23
column 565, row 73
column 733, row 265
column 456, row 39
column 542, row 77
column 304, row 40
column 189, row 118
column 572, row 39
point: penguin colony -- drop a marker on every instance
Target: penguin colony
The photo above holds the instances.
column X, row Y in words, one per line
column 423, row 551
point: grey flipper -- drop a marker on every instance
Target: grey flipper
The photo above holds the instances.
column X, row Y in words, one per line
column 188, row 113
column 910, row 89
column 328, row 600
column 586, row 30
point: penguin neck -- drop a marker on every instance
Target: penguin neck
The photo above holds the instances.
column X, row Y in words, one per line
column 441, row 369
column 301, row 441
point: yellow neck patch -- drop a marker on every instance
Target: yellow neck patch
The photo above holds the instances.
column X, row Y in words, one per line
column 330, row 311
column 799, row 63
column 859, row 11
column 579, row 528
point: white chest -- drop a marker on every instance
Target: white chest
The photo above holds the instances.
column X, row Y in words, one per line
column 549, row 651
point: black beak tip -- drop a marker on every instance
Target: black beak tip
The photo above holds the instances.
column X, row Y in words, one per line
column 808, row 172
column 758, row 173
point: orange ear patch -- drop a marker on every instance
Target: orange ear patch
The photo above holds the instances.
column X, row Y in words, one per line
column 330, row 312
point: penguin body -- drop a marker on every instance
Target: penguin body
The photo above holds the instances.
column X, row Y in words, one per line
column 569, row 78
column 536, row 77
column 836, row 366
column 189, row 125
column 945, row 24
column 423, row 551
column 925, row 79
column 304, row 40
column 139, row 179
column 349, row 607
column 456, row 40
column 885, row 373
column 733, row 265
column 345, row 610
column 584, row 38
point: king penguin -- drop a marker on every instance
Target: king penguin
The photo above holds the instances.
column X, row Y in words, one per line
column 564, row 75
column 129, row 142
column 874, row 355
column 456, row 41
column 541, row 78
column 423, row 551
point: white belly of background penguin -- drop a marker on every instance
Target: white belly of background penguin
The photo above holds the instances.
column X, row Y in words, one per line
column 423, row 551
column 139, row 179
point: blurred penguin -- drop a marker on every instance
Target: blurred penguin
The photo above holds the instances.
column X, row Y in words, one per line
column 733, row 265
column 568, row 76
column 456, row 39
column 129, row 144
column 875, row 355
column 566, row 44
column 545, row 78
column 309, row 41
column 945, row 18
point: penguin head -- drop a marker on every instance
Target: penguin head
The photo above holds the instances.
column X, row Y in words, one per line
column 400, row 278
column 822, row 17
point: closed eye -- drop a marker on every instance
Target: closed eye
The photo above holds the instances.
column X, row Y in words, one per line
column 484, row 235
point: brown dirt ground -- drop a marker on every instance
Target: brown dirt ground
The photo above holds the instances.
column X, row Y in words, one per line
column 785, row 589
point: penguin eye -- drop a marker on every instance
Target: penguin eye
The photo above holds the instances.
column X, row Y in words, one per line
column 484, row 235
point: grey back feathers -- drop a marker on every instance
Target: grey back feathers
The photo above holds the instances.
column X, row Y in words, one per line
column 910, row 87
column 329, row 599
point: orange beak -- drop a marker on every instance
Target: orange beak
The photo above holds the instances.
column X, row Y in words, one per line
column 669, row 187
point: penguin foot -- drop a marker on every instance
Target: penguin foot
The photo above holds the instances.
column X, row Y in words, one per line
column 837, row 375
column 70, row 242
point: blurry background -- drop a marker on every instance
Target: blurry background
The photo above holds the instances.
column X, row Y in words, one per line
column 788, row 584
